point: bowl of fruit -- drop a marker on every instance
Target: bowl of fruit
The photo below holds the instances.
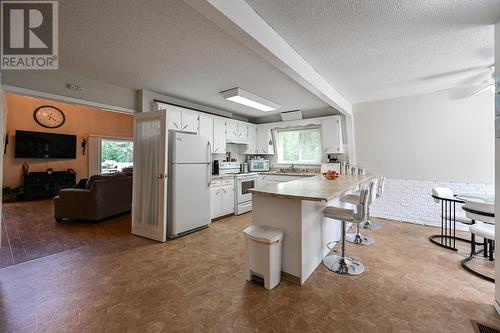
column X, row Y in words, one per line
column 330, row 174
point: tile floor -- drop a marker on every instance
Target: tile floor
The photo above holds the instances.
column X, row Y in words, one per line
column 29, row 231
column 197, row 284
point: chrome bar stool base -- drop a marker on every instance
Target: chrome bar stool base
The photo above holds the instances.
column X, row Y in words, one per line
column 359, row 238
column 370, row 225
column 343, row 265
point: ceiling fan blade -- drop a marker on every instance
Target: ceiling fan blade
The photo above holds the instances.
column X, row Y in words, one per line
column 482, row 90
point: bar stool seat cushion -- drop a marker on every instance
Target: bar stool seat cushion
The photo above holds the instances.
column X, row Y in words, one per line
column 337, row 213
column 483, row 230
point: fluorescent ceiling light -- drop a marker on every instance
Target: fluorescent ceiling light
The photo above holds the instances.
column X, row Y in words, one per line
column 241, row 96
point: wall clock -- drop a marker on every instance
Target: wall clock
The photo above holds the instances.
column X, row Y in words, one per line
column 49, row 116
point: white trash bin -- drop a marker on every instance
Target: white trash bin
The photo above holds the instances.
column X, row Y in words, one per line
column 263, row 253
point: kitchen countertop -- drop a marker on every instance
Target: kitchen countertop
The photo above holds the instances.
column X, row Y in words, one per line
column 295, row 174
column 312, row 188
column 230, row 175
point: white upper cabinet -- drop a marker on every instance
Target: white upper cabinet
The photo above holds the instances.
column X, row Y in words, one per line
column 181, row 119
column 219, row 144
column 174, row 119
column 189, row 121
column 264, row 140
column 242, row 132
column 206, row 128
column 331, row 135
column 251, row 148
column 236, row 131
column 231, row 130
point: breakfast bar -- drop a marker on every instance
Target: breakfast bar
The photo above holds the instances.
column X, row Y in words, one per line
column 296, row 208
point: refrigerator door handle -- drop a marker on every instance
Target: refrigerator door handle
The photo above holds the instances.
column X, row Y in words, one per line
column 209, row 164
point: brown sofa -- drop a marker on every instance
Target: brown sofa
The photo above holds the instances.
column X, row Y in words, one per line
column 102, row 197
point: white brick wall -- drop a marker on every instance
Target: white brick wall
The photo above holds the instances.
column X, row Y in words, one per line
column 411, row 201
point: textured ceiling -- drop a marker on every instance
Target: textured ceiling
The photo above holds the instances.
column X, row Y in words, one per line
column 167, row 47
column 371, row 50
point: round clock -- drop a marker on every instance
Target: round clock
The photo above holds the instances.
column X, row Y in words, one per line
column 49, row 116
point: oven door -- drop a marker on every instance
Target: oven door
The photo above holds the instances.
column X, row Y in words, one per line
column 243, row 185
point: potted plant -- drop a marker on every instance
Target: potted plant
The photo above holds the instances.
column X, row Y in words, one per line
column 11, row 194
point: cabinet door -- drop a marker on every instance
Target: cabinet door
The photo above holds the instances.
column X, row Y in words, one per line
column 215, row 202
column 264, row 141
column 190, row 121
column 331, row 136
column 219, row 135
column 243, row 132
column 206, row 128
column 251, row 148
column 227, row 199
column 262, row 180
column 231, row 130
column 174, row 119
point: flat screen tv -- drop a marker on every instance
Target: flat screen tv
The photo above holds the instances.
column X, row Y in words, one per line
column 44, row 145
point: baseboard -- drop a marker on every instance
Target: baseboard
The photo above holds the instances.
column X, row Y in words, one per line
column 497, row 306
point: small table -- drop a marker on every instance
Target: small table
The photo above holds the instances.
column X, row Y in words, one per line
column 447, row 238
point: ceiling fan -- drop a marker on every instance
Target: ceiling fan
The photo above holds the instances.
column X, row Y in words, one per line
column 485, row 85
column 478, row 87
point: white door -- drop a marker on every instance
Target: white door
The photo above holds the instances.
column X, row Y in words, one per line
column 227, row 199
column 174, row 121
column 219, row 135
column 215, row 202
column 190, row 121
column 149, row 204
column 206, row 128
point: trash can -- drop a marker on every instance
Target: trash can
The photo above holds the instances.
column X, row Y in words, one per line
column 263, row 254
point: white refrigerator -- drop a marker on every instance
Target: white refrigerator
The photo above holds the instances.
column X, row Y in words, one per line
column 190, row 172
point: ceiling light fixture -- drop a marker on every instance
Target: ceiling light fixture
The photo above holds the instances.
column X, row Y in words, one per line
column 241, row 96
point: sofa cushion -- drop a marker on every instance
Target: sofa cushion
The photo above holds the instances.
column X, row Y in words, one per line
column 93, row 178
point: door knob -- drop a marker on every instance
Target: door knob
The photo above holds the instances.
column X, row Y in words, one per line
column 160, row 176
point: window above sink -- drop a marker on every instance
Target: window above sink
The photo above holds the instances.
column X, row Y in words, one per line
column 299, row 146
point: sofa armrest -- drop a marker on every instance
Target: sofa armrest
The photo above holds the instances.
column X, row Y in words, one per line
column 75, row 203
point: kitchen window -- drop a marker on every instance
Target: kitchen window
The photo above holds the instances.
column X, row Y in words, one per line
column 299, row 146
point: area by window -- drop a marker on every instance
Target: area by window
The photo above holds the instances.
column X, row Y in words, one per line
column 299, row 146
column 116, row 155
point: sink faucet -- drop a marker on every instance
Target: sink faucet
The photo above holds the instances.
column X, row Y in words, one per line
column 291, row 168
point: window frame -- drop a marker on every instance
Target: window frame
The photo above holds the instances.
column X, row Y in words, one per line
column 294, row 129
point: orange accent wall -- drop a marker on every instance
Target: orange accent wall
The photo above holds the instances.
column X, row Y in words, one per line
column 80, row 121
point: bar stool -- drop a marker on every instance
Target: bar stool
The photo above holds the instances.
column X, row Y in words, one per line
column 380, row 191
column 483, row 214
column 342, row 264
column 357, row 237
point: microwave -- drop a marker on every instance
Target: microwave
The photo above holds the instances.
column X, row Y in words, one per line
column 258, row 165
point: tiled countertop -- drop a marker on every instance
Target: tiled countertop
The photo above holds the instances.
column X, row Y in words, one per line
column 312, row 188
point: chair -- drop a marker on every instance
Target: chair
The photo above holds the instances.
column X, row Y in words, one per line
column 380, row 191
column 358, row 237
column 483, row 215
column 342, row 264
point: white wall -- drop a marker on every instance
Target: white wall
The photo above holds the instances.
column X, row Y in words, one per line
column 432, row 137
column 55, row 82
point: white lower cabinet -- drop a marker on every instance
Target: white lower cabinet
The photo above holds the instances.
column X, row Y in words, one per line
column 222, row 197
column 215, row 202
column 227, row 199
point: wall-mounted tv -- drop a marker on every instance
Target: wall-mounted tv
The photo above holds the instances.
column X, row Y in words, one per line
column 44, row 145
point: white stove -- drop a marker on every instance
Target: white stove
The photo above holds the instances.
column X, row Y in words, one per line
column 243, row 198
